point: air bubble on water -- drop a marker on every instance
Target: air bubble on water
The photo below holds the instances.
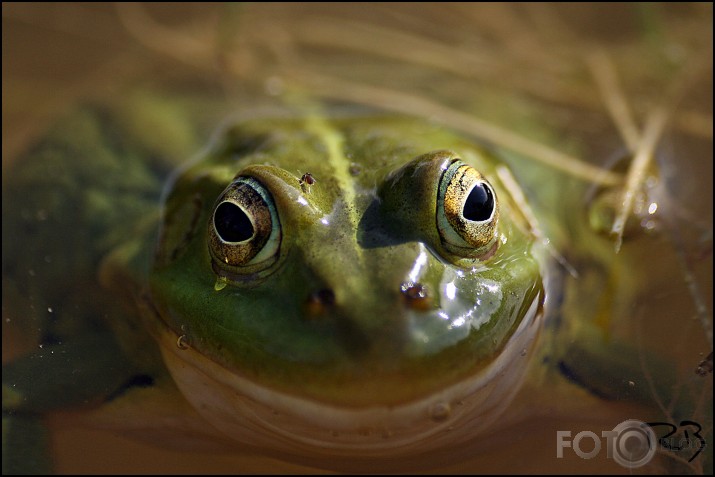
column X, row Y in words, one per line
column 49, row 309
column 648, row 224
column 440, row 411
column 181, row 342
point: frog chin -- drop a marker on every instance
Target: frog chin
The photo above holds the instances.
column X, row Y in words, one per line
column 288, row 425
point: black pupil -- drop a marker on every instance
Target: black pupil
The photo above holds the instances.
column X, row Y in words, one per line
column 480, row 204
column 232, row 223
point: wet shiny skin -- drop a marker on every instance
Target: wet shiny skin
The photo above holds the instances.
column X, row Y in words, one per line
column 362, row 305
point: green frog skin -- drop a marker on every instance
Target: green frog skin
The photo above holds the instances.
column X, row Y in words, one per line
column 343, row 291
column 365, row 310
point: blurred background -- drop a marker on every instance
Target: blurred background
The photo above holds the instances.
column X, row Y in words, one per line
column 585, row 81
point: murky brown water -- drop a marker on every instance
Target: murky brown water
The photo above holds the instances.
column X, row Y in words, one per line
column 554, row 74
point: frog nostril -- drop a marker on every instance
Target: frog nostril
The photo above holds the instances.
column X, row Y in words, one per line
column 319, row 302
column 416, row 296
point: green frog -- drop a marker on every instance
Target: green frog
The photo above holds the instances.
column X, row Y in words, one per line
column 362, row 288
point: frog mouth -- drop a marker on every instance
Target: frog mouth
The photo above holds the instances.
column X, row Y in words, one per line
column 276, row 422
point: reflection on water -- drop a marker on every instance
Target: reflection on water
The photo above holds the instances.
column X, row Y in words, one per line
column 569, row 86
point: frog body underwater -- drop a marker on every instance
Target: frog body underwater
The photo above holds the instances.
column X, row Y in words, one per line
column 385, row 308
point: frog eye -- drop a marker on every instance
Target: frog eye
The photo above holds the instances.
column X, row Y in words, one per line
column 467, row 211
column 244, row 230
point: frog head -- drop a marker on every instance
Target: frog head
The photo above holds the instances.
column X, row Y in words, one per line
column 354, row 286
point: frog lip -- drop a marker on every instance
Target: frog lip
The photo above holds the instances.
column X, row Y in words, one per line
column 265, row 418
